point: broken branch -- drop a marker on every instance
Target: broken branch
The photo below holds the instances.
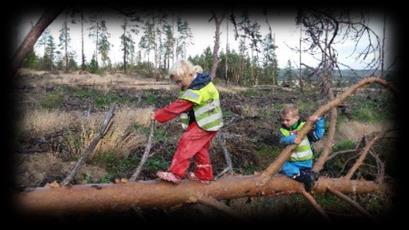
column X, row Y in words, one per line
column 103, row 130
column 145, row 153
column 362, row 155
column 351, row 202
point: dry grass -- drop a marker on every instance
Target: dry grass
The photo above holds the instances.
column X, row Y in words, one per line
column 121, row 138
column 40, row 122
column 355, row 130
column 36, row 169
column 105, row 82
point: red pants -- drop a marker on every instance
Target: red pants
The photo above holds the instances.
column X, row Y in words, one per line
column 194, row 142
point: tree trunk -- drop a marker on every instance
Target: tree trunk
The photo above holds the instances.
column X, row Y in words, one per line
column 110, row 197
column 217, row 22
column 66, row 43
column 82, row 42
column 227, row 51
column 46, row 18
column 125, row 46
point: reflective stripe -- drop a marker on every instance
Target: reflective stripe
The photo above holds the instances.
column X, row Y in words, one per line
column 184, row 119
column 302, row 148
column 209, row 119
column 203, row 166
column 215, row 128
column 208, row 107
column 191, row 95
column 301, row 156
column 207, row 111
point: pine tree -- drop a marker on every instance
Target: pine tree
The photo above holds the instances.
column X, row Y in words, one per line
column 64, row 40
column 184, row 39
column 288, row 75
column 49, row 55
column 104, row 45
column 269, row 58
column 127, row 44
column 169, row 43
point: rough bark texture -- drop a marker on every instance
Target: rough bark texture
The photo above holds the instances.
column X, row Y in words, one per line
column 114, row 197
column 46, row 18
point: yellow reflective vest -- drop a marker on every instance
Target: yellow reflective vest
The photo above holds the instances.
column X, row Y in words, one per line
column 207, row 110
column 303, row 151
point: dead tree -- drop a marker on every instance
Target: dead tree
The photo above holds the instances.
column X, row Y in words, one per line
column 217, row 21
column 27, row 46
column 123, row 196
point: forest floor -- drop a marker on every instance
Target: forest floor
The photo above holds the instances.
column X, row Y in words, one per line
column 59, row 114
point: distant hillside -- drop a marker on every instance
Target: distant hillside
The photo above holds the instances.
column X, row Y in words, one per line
column 346, row 74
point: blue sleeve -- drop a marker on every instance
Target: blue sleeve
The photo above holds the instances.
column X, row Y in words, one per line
column 319, row 130
column 288, row 140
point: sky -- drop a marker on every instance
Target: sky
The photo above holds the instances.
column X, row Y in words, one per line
column 287, row 35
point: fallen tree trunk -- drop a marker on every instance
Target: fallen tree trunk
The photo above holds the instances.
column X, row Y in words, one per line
column 119, row 197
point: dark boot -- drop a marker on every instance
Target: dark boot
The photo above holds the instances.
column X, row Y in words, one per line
column 307, row 179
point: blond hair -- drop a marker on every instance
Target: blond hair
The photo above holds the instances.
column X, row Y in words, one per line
column 289, row 108
column 181, row 69
column 198, row 69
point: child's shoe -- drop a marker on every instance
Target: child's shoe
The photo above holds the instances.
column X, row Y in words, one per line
column 168, row 176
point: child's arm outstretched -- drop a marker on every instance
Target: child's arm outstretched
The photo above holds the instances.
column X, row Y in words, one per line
column 172, row 110
column 319, row 130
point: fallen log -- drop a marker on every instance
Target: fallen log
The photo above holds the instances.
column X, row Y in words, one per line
column 95, row 198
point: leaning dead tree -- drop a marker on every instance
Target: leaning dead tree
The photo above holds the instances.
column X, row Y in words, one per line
column 123, row 196
column 27, row 46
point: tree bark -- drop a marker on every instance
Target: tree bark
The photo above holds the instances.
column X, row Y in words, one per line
column 93, row 198
column 217, row 21
column 46, row 18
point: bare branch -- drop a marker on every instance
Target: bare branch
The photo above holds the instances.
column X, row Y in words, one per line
column 333, row 155
column 315, row 205
column 90, row 149
column 145, row 153
column 351, row 202
column 363, row 154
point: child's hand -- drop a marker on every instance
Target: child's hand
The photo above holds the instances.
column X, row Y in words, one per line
column 313, row 118
column 152, row 116
column 297, row 140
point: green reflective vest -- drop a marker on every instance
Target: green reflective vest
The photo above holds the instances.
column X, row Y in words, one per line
column 207, row 110
column 303, row 151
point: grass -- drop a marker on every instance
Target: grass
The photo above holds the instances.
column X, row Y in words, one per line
column 267, row 154
column 116, row 165
column 343, row 145
column 52, row 100
column 251, row 93
column 371, row 108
